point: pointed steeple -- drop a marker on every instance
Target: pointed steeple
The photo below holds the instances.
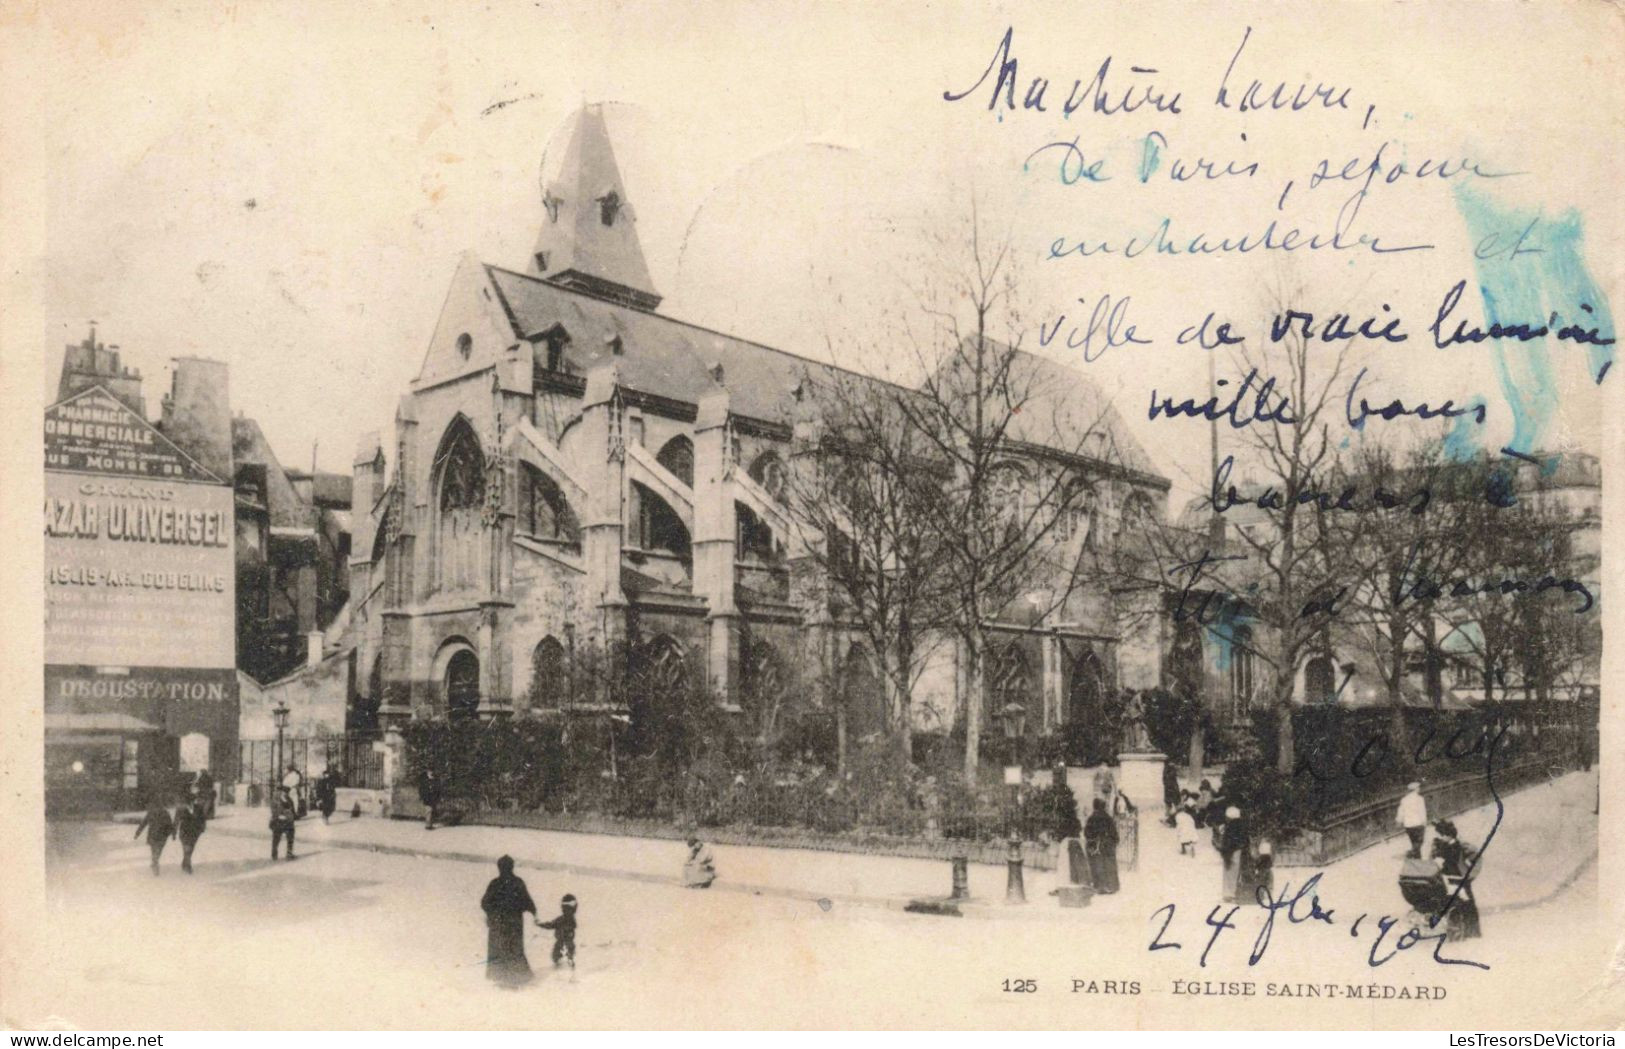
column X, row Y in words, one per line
column 589, row 241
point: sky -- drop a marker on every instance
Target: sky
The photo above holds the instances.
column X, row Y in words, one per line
column 288, row 187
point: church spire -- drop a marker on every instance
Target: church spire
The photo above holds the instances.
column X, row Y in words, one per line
column 588, row 240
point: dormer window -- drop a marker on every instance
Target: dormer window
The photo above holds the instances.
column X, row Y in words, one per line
column 609, row 205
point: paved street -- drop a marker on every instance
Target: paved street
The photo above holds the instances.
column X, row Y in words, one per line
column 351, row 937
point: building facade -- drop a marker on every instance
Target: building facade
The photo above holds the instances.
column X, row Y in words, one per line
column 185, row 566
column 580, row 491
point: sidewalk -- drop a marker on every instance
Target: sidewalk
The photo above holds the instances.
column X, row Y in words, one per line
column 795, row 874
column 1547, row 839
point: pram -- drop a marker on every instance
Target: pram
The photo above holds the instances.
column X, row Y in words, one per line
column 1424, row 888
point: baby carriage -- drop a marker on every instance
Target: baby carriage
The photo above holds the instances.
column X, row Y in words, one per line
column 1424, row 888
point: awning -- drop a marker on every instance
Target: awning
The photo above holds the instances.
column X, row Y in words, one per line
column 101, row 722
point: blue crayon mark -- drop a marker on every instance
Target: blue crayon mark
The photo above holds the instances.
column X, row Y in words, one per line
column 1461, row 442
column 1526, row 284
column 1566, row 271
column 1151, row 155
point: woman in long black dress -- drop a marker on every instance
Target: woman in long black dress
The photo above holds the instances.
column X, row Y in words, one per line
column 1454, row 858
column 1100, row 841
column 505, row 903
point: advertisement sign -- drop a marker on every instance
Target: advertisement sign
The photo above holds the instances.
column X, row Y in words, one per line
column 93, row 432
column 138, row 573
column 139, row 565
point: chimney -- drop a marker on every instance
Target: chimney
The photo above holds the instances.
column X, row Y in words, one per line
column 197, row 413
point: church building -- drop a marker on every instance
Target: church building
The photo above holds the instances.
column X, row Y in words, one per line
column 575, row 478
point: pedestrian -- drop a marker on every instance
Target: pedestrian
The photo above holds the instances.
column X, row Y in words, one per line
column 1216, row 810
column 1263, row 874
column 1413, row 816
column 1458, row 864
column 1233, row 843
column 283, row 815
column 1204, row 798
column 294, row 781
column 327, row 793
column 700, row 868
column 205, row 790
column 505, row 903
column 190, row 822
column 428, row 792
column 564, row 933
column 1185, row 827
column 1170, row 792
column 159, row 827
column 1100, row 841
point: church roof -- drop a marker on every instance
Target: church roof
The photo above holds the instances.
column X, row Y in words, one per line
column 661, row 356
column 672, row 359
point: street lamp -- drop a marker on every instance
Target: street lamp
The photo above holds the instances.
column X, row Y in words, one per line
column 279, row 716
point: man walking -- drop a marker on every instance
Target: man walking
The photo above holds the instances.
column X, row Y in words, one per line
column 1413, row 816
column 282, row 817
column 190, row 821
column 159, row 827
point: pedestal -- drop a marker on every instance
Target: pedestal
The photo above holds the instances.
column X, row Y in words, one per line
column 1140, row 777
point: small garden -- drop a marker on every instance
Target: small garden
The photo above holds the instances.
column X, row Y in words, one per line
column 686, row 761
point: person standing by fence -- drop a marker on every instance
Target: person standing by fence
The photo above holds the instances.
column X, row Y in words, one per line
column 1234, row 840
column 327, row 793
column 1413, row 816
column 1100, row 840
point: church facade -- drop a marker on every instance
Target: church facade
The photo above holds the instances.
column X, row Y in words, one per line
column 580, row 489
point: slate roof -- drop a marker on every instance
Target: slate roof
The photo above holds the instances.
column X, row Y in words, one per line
column 670, row 358
column 661, row 355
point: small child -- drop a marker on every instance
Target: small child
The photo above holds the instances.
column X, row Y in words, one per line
column 1185, row 826
column 564, row 933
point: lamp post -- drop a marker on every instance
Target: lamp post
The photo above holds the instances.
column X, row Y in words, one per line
column 279, row 715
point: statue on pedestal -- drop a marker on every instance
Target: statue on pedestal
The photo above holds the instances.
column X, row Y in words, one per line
column 1136, row 739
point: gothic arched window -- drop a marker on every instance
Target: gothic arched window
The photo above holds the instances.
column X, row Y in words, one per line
column 1319, row 681
column 1009, row 699
column 1241, row 671
column 753, row 536
column 1007, row 496
column 463, row 684
column 861, row 695
column 461, row 466
column 1078, row 512
column 657, row 526
column 1086, row 697
column 549, row 675
column 769, row 472
column 763, row 674
column 460, row 477
column 1137, row 515
column 677, row 456
column 546, row 512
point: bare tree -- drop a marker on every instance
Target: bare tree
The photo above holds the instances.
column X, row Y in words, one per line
column 1294, row 565
column 858, row 491
column 1023, row 449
